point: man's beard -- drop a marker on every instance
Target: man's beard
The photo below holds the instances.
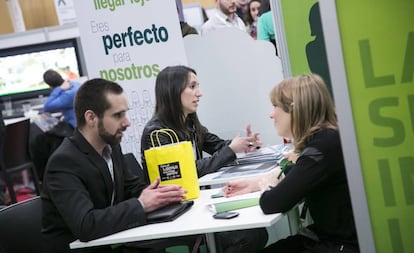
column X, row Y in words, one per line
column 228, row 11
column 110, row 139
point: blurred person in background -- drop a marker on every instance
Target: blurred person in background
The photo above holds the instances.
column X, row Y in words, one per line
column 60, row 100
column 252, row 16
column 225, row 16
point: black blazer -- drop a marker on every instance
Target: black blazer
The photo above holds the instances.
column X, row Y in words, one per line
column 76, row 197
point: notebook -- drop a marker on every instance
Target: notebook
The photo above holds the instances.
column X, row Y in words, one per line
column 169, row 213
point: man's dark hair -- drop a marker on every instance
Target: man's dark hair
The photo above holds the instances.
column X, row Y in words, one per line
column 52, row 78
column 92, row 96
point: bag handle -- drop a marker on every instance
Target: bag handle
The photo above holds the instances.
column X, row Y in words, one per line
column 166, row 131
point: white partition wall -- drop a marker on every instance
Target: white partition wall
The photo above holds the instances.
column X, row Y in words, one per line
column 236, row 74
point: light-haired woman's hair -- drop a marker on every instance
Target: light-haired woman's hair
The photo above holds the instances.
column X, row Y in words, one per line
column 309, row 103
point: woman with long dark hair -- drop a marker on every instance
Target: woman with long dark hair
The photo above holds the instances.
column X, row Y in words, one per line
column 177, row 94
column 251, row 17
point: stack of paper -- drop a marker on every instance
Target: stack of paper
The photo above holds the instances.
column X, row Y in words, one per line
column 235, row 203
column 247, row 169
column 273, row 153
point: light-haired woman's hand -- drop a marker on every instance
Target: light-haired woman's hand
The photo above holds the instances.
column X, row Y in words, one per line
column 239, row 187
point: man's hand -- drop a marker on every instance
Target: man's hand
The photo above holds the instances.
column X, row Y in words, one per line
column 156, row 196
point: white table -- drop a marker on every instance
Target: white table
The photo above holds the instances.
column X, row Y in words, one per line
column 198, row 220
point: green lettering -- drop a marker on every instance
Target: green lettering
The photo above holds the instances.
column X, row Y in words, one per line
column 119, row 75
column 395, row 235
column 395, row 124
column 370, row 79
column 96, row 4
column 408, row 71
column 112, row 75
column 386, row 182
column 103, row 74
column 411, row 110
column 407, row 176
column 130, row 72
column 111, row 5
column 155, row 70
column 147, row 71
column 139, row 68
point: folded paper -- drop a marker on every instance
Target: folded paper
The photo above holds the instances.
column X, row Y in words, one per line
column 233, row 205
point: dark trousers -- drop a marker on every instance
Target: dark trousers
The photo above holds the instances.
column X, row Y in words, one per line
column 246, row 241
column 302, row 244
column 239, row 241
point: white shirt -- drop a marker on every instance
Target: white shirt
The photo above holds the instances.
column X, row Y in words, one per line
column 106, row 154
column 220, row 20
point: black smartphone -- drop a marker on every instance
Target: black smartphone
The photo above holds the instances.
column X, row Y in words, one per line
column 226, row 215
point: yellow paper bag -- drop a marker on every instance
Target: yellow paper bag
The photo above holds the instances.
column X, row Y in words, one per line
column 173, row 163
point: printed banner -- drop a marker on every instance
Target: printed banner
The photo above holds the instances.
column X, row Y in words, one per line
column 378, row 46
column 305, row 38
column 130, row 42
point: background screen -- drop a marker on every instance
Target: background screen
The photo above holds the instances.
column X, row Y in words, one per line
column 22, row 68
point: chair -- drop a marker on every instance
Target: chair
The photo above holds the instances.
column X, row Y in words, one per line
column 21, row 227
column 15, row 155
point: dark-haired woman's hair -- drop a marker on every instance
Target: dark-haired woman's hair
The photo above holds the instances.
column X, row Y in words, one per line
column 248, row 17
column 169, row 85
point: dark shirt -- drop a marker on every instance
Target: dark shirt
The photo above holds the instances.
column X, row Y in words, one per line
column 319, row 178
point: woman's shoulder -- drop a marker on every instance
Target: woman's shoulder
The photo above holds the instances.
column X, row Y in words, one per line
column 329, row 132
column 153, row 124
column 325, row 138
